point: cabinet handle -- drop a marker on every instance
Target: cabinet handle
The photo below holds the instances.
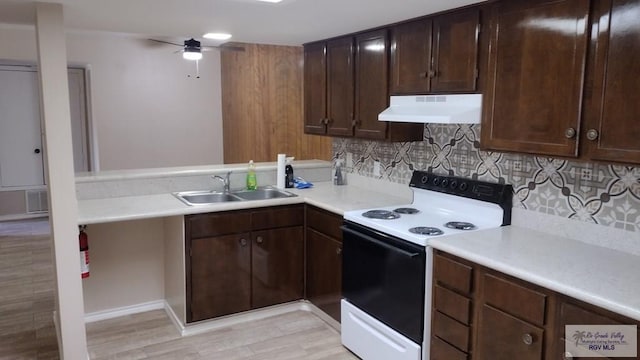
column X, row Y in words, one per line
column 243, row 242
column 567, row 355
column 592, row 134
column 527, row 339
column 570, row 133
column 338, row 250
column 259, row 240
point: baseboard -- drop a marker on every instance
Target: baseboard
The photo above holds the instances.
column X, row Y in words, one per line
column 125, row 310
column 308, row 306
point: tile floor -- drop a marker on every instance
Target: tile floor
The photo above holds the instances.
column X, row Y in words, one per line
column 27, row 330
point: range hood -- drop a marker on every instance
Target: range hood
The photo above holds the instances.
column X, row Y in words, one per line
column 440, row 109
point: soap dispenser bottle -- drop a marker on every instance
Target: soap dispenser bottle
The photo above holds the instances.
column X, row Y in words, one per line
column 338, row 178
column 288, row 174
column 252, row 182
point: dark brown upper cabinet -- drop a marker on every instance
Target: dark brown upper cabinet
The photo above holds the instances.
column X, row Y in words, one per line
column 372, row 96
column 537, row 57
column 355, row 82
column 315, row 89
column 340, row 84
column 611, row 129
column 436, row 55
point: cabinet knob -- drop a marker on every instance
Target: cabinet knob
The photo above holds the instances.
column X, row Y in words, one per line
column 432, row 73
column 592, row 134
column 338, row 250
column 259, row 240
column 355, row 123
column 570, row 133
column 567, row 355
column 243, row 242
column 424, row 74
column 527, row 339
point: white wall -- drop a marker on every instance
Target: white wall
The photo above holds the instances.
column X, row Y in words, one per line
column 146, row 111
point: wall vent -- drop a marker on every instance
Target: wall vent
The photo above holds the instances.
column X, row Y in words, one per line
column 37, row 201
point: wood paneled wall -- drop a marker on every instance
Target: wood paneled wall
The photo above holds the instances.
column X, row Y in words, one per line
column 262, row 107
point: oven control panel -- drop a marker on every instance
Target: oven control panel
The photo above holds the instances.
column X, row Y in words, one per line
column 496, row 193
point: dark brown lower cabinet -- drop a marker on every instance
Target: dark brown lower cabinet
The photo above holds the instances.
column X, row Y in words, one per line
column 242, row 260
column 223, row 286
column 510, row 318
column 324, row 275
column 278, row 266
column 505, row 337
column 324, row 260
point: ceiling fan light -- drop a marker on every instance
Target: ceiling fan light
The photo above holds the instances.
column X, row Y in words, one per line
column 192, row 54
column 217, row 36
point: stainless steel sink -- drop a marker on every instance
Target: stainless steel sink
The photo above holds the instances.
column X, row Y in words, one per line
column 194, row 198
column 205, row 197
column 265, row 193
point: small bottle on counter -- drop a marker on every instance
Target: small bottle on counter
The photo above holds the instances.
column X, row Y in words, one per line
column 338, row 178
column 288, row 174
column 252, row 182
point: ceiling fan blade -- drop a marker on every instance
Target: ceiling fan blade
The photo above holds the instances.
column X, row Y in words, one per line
column 165, row 42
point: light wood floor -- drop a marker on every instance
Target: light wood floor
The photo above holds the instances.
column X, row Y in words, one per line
column 27, row 330
column 150, row 335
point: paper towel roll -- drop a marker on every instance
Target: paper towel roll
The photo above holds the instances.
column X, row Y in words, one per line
column 280, row 175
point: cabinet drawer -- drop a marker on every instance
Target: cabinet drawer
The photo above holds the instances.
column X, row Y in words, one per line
column 324, row 222
column 440, row 350
column 452, row 274
column 514, row 299
column 452, row 304
column 573, row 315
column 217, row 224
column 451, row 331
column 276, row 217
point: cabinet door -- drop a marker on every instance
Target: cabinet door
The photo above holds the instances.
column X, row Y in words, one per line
column 410, row 57
column 324, row 272
column 504, row 337
column 277, row 262
column 372, row 96
column 340, row 88
column 315, row 88
column 612, row 122
column 536, row 70
column 455, row 51
column 220, row 277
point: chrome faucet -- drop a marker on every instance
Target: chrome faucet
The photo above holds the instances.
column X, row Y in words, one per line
column 225, row 180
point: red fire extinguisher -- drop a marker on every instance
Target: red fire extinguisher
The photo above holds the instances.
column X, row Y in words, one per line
column 84, row 252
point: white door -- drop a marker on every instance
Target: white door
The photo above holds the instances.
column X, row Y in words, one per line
column 20, row 134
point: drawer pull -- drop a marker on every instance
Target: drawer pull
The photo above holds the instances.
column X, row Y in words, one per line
column 527, row 339
column 259, row 240
column 243, row 242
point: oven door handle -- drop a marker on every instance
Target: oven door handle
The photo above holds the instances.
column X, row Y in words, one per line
column 380, row 243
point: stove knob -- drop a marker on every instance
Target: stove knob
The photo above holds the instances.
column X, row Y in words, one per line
column 463, row 186
column 436, row 181
column 445, row 183
column 424, row 179
column 453, row 185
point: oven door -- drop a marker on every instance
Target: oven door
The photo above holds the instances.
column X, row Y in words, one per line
column 385, row 277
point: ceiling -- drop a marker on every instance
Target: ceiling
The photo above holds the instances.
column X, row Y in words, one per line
column 291, row 22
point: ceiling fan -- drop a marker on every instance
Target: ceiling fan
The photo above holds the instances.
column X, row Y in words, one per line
column 192, row 49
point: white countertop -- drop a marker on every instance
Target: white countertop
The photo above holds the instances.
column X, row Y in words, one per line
column 606, row 278
column 337, row 199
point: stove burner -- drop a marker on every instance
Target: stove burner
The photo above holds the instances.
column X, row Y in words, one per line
column 460, row 225
column 381, row 214
column 406, row 210
column 425, row 230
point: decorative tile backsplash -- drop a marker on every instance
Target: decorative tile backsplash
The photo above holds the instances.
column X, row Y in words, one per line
column 597, row 193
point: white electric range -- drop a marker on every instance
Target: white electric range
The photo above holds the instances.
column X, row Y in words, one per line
column 387, row 261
